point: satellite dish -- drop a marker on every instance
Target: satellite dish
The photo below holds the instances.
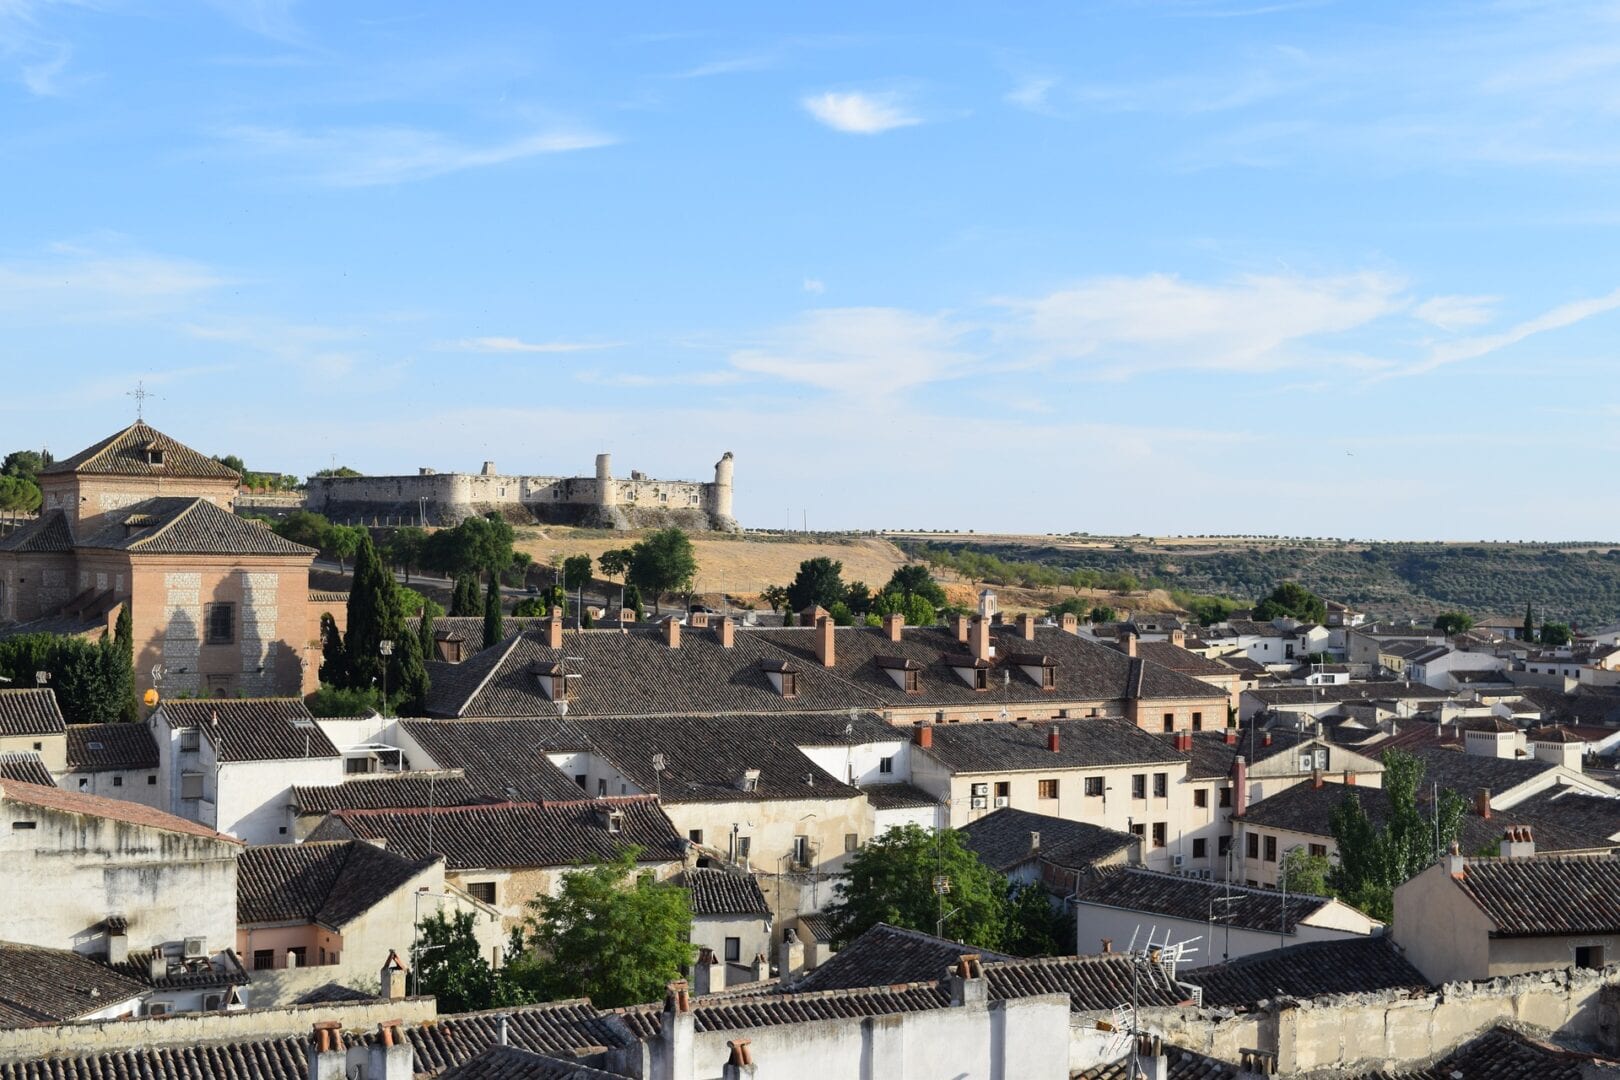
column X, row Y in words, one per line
column 151, row 698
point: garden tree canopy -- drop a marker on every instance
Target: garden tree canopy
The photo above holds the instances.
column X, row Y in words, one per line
column 19, row 493
column 334, row 664
column 1103, row 614
column 916, row 611
column 576, row 571
column 663, row 562
column 94, row 681
column 614, row 562
column 304, row 527
column 1555, row 633
column 1453, row 622
column 1071, row 606
column 891, row 880
column 1291, row 600
column 25, row 464
column 1374, row 860
column 464, row 598
column 120, row 668
column 452, row 967
column 819, row 582
column 478, row 545
column 913, row 579
column 858, row 597
column 406, row 548
column 609, row 934
column 1303, row 872
column 374, row 615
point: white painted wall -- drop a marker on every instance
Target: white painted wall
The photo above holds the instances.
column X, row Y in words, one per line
column 1093, row 922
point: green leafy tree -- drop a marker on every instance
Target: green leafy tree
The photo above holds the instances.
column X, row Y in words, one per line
column 343, row 542
column 914, row 579
column 329, row 700
column 1303, row 872
column 304, row 527
column 1070, row 606
column 917, row 611
column 663, row 562
column 1291, row 600
column 577, row 572
column 233, row 463
column 405, row 549
column 1451, row 623
column 88, row 677
column 1373, row 859
column 26, row 464
column 530, row 607
column 1103, row 614
column 409, row 673
column 1034, row 926
column 424, row 635
column 819, row 582
column 464, row 599
column 893, row 880
column 610, row 934
column 339, row 471
column 334, row 663
column 494, row 632
column 1555, row 633
column 632, row 601
column 20, row 494
column 375, row 615
column 841, row 615
column 776, row 596
column 858, row 597
column 614, row 562
column 451, row 965
column 477, row 545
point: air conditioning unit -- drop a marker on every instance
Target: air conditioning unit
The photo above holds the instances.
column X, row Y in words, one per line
column 980, row 790
column 213, row 1002
column 157, row 1008
column 196, row 948
column 1178, row 861
column 980, row 803
column 1002, row 800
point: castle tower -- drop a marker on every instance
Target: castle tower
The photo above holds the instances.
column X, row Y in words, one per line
column 722, row 492
column 607, row 493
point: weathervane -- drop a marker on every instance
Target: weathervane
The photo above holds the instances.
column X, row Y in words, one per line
column 140, row 394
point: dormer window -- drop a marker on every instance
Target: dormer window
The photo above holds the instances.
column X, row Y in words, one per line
column 784, row 676
column 971, row 670
column 905, row 673
column 153, row 454
column 1041, row 670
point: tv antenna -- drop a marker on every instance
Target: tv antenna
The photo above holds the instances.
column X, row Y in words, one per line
column 1153, row 959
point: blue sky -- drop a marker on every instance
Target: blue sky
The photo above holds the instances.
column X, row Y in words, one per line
column 1180, row 266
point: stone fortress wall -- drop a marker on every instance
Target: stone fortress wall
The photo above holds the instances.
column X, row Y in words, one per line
column 600, row 501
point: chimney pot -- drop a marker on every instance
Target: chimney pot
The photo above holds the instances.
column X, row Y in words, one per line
column 1127, row 641
column 1054, row 741
column 726, row 631
column 959, row 628
column 893, row 624
column 1482, row 803
column 1034, row 840
column 1265, row 740
column 925, row 736
column 554, row 630
column 979, row 638
column 1070, row 623
column 1349, row 778
column 1231, row 736
column 1107, row 944
column 1026, row 627
column 1316, row 778
column 1240, row 786
column 824, row 642
column 672, row 632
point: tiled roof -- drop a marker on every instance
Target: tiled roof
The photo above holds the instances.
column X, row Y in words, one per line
column 123, row 454
column 223, row 969
column 722, row 892
column 327, row 883
column 172, row 525
column 108, row 747
column 502, row 759
column 1343, row 693
column 888, row 954
column 511, row 1063
column 26, row 767
column 332, row 993
column 1466, row 773
column 1082, row 744
column 723, row 1013
column 470, row 628
column 1590, row 815
column 1308, row 970
column 50, row 532
column 1181, row 1065
column 387, row 791
column 1546, row 894
column 1094, row 983
column 74, row 802
column 1175, row 658
column 515, row 835
column 1179, row 897
column 43, row 985
column 897, row 796
column 253, row 729
column 1504, row 1054
column 818, row 924
column 30, row 712
column 1001, row 839
column 1305, row 808
column 557, row 1027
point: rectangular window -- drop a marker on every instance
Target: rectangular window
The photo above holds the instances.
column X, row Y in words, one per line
column 1169, row 721
column 801, row 850
column 1201, row 798
column 1161, row 785
column 482, row 891
column 25, row 824
column 733, row 950
column 297, row 955
column 852, row 842
column 1200, row 848
column 191, row 785
column 1003, row 789
column 1252, row 843
column 1139, row 786
column 264, row 959
column 1271, row 849
column 221, row 624
column 1226, row 797
column 1198, row 721
column 1589, row 956
column 1138, row 831
column 581, row 780
column 190, row 739
column 1094, row 786
column 886, row 765
column 696, row 836
column 601, row 786
column 151, row 780
column 1049, row 789
column 118, row 781
column 1223, row 846
column 357, row 765
column 1159, row 834
column 1319, row 849
column 743, row 845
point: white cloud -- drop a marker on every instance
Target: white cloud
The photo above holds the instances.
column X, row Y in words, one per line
column 1120, row 325
column 858, row 113
column 862, row 352
column 368, row 156
column 1557, row 318
column 99, row 284
column 815, row 286
column 42, row 78
column 1457, row 312
column 517, row 345
column 1031, row 93
column 733, row 66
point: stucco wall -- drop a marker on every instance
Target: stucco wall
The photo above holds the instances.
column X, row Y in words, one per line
column 1214, row 944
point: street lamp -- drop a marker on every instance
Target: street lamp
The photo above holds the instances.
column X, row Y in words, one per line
column 386, row 648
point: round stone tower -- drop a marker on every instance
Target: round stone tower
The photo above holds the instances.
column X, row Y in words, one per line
column 721, row 507
column 607, row 493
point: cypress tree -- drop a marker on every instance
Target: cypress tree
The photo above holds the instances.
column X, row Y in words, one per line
column 1529, row 631
column 374, row 615
column 409, row 674
column 492, row 613
column 424, row 635
column 334, row 665
column 122, row 676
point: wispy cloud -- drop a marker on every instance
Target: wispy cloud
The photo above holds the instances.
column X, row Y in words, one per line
column 100, row 284
column 1031, row 93
column 1457, row 312
column 372, row 156
column 518, row 345
column 1557, row 318
column 859, row 113
column 735, row 65
column 862, row 352
column 814, row 286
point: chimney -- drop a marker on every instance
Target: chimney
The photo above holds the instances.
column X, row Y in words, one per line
column 726, row 631
column 157, row 967
column 1034, row 841
column 703, row 972
column 924, row 736
column 967, row 981
column 393, row 977
column 672, row 632
column 761, row 966
column 1150, row 1058
column 1265, row 740
column 327, row 1055
column 1482, row 803
column 698, row 619
column 554, row 631
column 1456, row 865
column 893, row 623
column 627, row 615
column 1054, row 739
column 1184, row 742
column 789, row 956
column 504, row 1034
column 959, row 628
column 1178, row 638
column 1316, row 778
column 1518, row 842
column 117, row 945
column 1127, row 641
column 979, row 638
column 390, row 1054
column 677, row 1034
column 1231, row 736
column 740, row 1065
column 1240, row 786
column 1070, row 623
column 1026, row 627
column 824, row 642
column 1107, row 945
column 1349, row 778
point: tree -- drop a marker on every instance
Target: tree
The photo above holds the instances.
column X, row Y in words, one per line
column 1071, row 606
column 494, row 633
column 841, row 615
column 1034, row 927
column 1103, row 614
column 611, row 934
column 424, row 635
column 304, row 527
column 1374, row 859
column 1303, row 872
column 450, row 964
column 233, row 463
column 1451, row 623
column 576, row 572
column 331, row 700
column 120, row 665
column 774, row 595
column 375, row 616
column 614, row 562
column 26, row 464
column 1291, row 600
column 917, row 611
column 914, row 579
column 405, row 549
column 477, row 545
column 632, row 601
column 19, row 493
column 339, row 471
column 334, row 664
column 1529, row 630
column 93, row 681
column 1555, row 633
column 819, row 583
column 464, row 599
column 858, row 597
column 343, row 541
column 663, row 562
column 892, row 880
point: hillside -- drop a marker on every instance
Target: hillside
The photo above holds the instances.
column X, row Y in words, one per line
column 1579, row 583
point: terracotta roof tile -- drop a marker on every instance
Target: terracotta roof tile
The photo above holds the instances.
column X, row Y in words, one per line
column 108, row 747
column 26, row 767
column 330, row 883
column 73, row 802
column 30, row 712
column 252, row 729
column 723, row 892
column 121, row 454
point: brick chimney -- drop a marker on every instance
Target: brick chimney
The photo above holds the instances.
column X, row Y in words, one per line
column 959, row 628
column 1026, row 627
column 726, row 631
column 824, row 642
column 1107, row 945
column 1178, row 638
column 393, row 977
column 1127, row 642
column 677, row 1035
column 627, row 615
column 1349, row 778
column 1265, row 740
column 893, row 624
column 924, row 736
column 1240, row 786
column 1070, row 623
column 979, row 638
column 761, row 967
column 740, row 1064
column 789, row 956
column 554, row 630
column 1231, row 736
column 698, row 618
column 1054, row 739
column 967, row 981
column 1316, row 778
column 1456, row 865
column 1482, row 803
column 1151, row 1059
column 1184, row 742
column 672, row 632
